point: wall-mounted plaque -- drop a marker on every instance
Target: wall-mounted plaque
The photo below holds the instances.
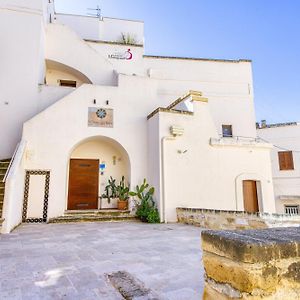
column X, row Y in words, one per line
column 100, row 117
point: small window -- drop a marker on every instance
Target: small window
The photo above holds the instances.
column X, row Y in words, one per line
column 286, row 161
column 292, row 209
column 69, row 83
column 227, row 130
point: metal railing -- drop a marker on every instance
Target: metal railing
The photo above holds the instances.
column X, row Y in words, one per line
column 238, row 138
column 10, row 163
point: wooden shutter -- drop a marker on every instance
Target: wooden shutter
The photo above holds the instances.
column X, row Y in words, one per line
column 286, row 161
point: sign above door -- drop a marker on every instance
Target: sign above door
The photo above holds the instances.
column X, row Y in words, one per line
column 100, row 117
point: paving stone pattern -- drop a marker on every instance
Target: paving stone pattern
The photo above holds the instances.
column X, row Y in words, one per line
column 72, row 261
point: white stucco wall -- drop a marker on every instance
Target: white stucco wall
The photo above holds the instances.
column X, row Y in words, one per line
column 22, row 67
column 65, row 124
column 286, row 183
column 86, row 27
column 134, row 88
column 102, row 29
column 208, row 176
column 228, row 84
column 111, row 29
column 66, row 47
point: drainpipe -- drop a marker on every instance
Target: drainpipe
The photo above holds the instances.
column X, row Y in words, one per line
column 163, row 198
column 175, row 131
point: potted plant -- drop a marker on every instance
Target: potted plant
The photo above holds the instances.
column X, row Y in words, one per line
column 109, row 198
column 123, row 194
column 146, row 207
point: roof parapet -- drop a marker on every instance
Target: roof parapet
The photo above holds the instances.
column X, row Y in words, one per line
column 193, row 95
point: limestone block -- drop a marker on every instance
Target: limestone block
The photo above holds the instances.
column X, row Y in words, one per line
column 252, row 264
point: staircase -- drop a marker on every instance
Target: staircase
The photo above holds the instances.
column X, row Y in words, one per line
column 112, row 215
column 3, row 168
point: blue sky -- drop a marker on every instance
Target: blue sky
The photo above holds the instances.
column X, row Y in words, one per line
column 266, row 31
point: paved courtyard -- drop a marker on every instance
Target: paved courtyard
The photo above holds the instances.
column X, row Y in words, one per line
column 71, row 261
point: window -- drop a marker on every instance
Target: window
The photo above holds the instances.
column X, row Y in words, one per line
column 227, row 130
column 286, row 161
column 69, row 83
column 292, row 209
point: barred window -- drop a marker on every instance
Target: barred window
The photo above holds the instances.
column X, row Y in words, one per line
column 292, row 209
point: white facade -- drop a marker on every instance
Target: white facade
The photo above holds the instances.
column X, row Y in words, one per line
column 198, row 169
column 285, row 137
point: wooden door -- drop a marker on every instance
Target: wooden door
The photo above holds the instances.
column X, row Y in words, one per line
column 250, row 196
column 83, row 184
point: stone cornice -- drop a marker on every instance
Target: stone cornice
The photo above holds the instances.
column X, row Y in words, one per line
column 173, row 111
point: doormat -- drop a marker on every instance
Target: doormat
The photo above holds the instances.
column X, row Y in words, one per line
column 130, row 287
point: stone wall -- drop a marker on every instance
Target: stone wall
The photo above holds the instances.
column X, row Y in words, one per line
column 219, row 219
column 252, row 264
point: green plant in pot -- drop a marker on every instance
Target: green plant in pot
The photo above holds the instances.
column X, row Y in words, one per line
column 110, row 190
column 146, row 207
column 123, row 194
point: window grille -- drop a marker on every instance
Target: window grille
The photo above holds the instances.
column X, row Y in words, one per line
column 292, row 209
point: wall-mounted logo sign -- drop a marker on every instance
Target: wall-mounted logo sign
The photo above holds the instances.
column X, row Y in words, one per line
column 126, row 55
column 100, row 117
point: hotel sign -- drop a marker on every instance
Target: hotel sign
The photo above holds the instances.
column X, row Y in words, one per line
column 100, row 117
column 126, row 55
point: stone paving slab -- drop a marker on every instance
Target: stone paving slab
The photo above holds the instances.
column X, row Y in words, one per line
column 71, row 261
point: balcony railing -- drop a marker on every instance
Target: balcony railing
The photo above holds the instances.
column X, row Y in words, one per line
column 238, row 141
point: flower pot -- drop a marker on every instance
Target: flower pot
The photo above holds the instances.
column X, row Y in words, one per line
column 111, row 205
column 122, row 204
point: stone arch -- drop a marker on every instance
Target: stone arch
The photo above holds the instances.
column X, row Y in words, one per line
column 56, row 70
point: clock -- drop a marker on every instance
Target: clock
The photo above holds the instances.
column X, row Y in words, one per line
column 101, row 113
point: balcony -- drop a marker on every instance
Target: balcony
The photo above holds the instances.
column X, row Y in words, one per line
column 239, row 141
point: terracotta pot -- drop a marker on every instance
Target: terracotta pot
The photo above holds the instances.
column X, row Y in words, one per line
column 122, row 204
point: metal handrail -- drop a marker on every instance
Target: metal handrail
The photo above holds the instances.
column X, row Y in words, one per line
column 241, row 138
column 10, row 163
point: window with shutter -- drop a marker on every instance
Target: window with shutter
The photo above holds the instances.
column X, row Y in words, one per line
column 286, row 161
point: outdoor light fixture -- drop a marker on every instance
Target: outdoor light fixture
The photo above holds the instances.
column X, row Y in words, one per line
column 95, row 101
column 182, row 151
column 176, row 130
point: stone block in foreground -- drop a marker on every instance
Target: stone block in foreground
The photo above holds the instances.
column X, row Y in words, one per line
column 252, row 264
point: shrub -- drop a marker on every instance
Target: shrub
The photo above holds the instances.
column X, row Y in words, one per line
column 146, row 208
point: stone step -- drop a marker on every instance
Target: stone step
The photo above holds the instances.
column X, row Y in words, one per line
column 93, row 218
column 111, row 212
column 5, row 160
column 4, row 164
column 3, row 171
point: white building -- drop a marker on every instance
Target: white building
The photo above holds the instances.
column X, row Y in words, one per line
column 81, row 93
column 285, row 158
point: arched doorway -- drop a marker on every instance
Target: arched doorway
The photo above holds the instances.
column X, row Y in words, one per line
column 92, row 163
